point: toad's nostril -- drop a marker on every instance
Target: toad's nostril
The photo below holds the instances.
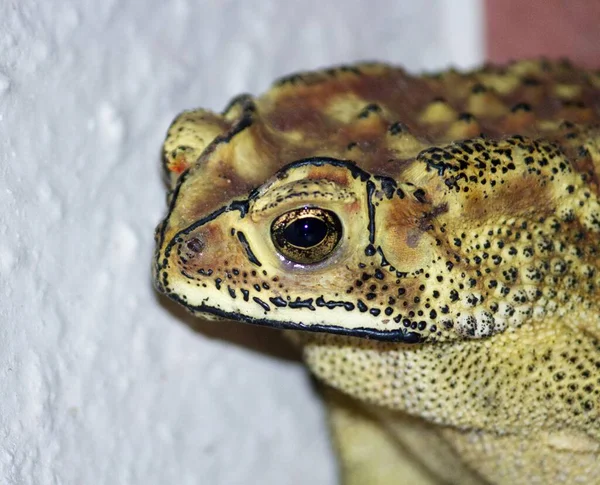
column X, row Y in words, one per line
column 195, row 245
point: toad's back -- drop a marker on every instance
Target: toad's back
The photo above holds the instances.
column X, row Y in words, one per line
column 377, row 116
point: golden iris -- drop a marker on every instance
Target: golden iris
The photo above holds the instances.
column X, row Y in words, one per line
column 307, row 235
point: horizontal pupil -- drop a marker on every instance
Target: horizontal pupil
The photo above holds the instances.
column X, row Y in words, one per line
column 305, row 232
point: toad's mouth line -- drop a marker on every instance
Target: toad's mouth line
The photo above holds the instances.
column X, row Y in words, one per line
column 396, row 335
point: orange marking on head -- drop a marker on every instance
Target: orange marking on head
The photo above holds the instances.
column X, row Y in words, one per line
column 178, row 165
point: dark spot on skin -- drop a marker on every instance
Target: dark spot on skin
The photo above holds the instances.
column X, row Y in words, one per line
column 420, row 196
column 298, row 303
column 264, row 305
column 251, row 257
column 397, row 128
column 278, row 302
column 466, row 117
column 195, row 245
column 525, row 107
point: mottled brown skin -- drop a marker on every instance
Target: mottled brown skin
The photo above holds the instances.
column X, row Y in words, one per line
column 456, row 322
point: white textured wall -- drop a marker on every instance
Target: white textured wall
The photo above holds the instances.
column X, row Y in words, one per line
column 101, row 382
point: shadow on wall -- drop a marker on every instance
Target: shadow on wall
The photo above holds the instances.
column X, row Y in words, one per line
column 265, row 340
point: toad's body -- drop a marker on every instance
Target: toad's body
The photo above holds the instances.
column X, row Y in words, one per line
column 435, row 240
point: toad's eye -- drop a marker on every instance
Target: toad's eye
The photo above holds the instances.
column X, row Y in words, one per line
column 306, row 236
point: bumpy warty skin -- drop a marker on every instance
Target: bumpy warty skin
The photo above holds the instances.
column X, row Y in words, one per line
column 464, row 288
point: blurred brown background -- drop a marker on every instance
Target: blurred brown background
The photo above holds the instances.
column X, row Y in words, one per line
column 551, row 28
